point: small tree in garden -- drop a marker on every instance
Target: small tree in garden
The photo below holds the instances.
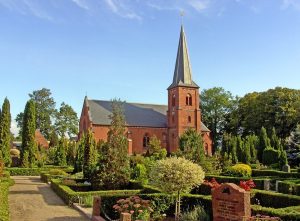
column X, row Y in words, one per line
column 90, row 155
column 176, row 176
column 60, row 157
column 28, row 135
column 5, row 135
column 191, row 146
column 156, row 151
column 264, row 143
column 114, row 167
column 78, row 164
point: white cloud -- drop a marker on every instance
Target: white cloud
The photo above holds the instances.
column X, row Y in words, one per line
column 14, row 128
column 290, row 4
column 199, row 5
column 36, row 10
column 122, row 10
column 81, row 4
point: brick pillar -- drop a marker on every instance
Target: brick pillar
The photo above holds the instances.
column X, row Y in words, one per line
column 125, row 217
column 96, row 206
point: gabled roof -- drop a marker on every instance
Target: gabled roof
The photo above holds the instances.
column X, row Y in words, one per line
column 136, row 114
column 183, row 71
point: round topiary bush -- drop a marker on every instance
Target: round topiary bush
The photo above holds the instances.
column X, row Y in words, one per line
column 14, row 152
column 57, row 172
column 240, row 170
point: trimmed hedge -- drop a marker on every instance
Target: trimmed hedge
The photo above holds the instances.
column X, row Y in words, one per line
column 5, row 183
column 35, row 171
column 289, row 187
column 69, row 196
column 276, row 173
column 273, row 199
column 285, row 214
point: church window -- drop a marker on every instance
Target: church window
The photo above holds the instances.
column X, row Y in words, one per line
column 189, row 119
column 206, row 149
column 146, row 140
column 173, row 117
column 173, row 100
column 188, row 100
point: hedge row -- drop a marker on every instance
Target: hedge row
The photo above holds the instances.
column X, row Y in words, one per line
column 69, row 196
column 5, row 182
column 285, row 214
column 289, row 187
column 18, row 171
column 275, row 173
column 274, row 199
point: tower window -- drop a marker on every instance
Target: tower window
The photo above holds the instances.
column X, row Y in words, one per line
column 189, row 119
column 188, row 100
column 173, row 117
column 146, row 140
column 173, row 100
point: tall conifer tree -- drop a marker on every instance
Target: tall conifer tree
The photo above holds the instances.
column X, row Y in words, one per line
column 28, row 135
column 5, row 135
column 264, row 142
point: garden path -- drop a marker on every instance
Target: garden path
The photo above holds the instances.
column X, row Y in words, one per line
column 30, row 199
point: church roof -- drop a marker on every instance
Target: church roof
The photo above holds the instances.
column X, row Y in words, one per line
column 183, row 71
column 136, row 114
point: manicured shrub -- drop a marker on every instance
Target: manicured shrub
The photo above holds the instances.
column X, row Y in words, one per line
column 57, row 172
column 275, row 173
column 197, row 213
column 240, row 170
column 270, row 156
column 140, row 174
column 16, row 171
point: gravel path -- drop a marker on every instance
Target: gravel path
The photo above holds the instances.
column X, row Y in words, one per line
column 32, row 200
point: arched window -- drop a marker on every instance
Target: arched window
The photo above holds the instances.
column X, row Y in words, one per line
column 146, row 140
column 189, row 119
column 173, row 117
column 173, row 100
column 188, row 100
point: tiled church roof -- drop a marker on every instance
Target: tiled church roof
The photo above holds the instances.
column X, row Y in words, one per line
column 140, row 115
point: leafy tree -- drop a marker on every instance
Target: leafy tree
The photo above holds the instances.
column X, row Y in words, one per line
column 66, row 121
column 19, row 120
column 191, row 146
column 294, row 138
column 216, row 103
column 176, row 176
column 28, row 135
column 114, row 167
column 60, row 157
column 264, row 143
column 156, row 151
column 78, row 165
column 276, row 107
column 54, row 140
column 71, row 153
column 5, row 135
column 45, row 110
column 90, row 155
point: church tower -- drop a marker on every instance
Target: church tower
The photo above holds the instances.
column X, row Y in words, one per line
column 183, row 98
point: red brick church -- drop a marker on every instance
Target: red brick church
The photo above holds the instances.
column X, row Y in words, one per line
column 166, row 122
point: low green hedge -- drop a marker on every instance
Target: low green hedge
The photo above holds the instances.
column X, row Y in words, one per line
column 5, row 183
column 276, row 173
column 69, row 196
column 17, row 171
column 285, row 214
column 289, row 187
column 274, row 199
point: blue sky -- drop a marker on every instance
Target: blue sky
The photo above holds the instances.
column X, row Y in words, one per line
column 127, row 48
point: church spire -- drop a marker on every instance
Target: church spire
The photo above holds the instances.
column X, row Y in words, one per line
column 183, row 72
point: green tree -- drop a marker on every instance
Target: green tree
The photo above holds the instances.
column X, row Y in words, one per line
column 19, row 120
column 28, row 135
column 90, row 156
column 114, row 167
column 156, row 151
column 191, row 146
column 66, row 121
column 45, row 110
column 294, row 138
column 60, row 157
column 176, row 176
column 54, row 140
column 264, row 143
column 5, row 135
column 216, row 103
column 78, row 164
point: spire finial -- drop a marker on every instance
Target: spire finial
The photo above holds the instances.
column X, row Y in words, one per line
column 182, row 13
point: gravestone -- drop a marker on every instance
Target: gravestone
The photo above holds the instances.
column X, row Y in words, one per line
column 286, row 168
column 125, row 217
column 267, row 184
column 96, row 206
column 230, row 203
